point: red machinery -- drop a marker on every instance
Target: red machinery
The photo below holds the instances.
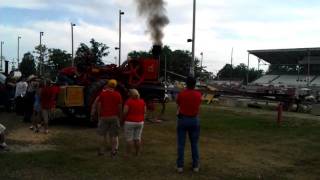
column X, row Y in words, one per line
column 141, row 73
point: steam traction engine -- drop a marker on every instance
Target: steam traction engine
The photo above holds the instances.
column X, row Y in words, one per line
column 140, row 73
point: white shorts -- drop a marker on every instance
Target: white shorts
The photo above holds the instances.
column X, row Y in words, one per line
column 2, row 128
column 133, row 131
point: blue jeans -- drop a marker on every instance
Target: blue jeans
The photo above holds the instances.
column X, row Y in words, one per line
column 191, row 126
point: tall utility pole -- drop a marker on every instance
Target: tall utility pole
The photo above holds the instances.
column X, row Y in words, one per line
column 41, row 58
column 201, row 54
column 231, row 61
column 165, row 70
column 1, row 56
column 231, row 57
column 193, row 38
column 72, row 60
column 248, row 68
column 18, row 53
column 120, row 14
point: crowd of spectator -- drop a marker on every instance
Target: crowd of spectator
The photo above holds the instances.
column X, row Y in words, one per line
column 35, row 100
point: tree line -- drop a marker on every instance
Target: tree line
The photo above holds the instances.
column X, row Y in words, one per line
column 54, row 59
column 239, row 72
column 178, row 61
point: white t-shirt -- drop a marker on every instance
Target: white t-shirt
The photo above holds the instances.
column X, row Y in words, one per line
column 21, row 88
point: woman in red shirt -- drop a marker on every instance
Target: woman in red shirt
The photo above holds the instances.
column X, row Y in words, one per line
column 134, row 110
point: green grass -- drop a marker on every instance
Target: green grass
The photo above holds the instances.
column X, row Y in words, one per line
column 232, row 145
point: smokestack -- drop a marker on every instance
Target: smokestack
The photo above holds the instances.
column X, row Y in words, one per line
column 156, row 51
column 155, row 12
column 6, row 68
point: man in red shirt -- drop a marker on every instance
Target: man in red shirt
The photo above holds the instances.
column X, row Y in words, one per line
column 47, row 103
column 109, row 108
column 188, row 102
column 55, row 92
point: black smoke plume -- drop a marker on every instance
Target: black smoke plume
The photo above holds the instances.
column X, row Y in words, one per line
column 155, row 12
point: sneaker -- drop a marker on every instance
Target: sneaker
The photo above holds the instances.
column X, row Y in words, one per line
column 180, row 170
column 31, row 127
column 196, row 170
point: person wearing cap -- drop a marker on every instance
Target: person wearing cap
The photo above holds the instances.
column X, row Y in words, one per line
column 109, row 109
column 188, row 102
column 133, row 112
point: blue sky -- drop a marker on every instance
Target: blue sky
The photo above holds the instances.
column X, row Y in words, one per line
column 221, row 25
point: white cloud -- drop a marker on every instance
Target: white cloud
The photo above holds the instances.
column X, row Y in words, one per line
column 221, row 25
column 30, row 4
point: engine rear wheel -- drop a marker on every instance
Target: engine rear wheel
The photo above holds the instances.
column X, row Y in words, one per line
column 134, row 71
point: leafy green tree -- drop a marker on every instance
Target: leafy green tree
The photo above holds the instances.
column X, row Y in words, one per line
column 239, row 72
column 86, row 55
column 138, row 54
column 58, row 59
column 27, row 65
column 41, row 53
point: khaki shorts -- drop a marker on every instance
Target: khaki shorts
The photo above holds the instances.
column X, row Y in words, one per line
column 133, row 131
column 109, row 125
column 45, row 115
column 2, row 129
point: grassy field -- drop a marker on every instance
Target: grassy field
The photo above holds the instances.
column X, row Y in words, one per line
column 234, row 145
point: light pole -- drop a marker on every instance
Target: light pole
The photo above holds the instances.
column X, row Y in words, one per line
column 41, row 58
column 191, row 70
column 231, row 61
column 120, row 14
column 18, row 53
column 193, row 38
column 201, row 60
column 1, row 56
column 72, row 60
column 117, row 49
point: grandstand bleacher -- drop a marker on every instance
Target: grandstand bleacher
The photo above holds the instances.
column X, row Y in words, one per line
column 288, row 80
column 266, row 79
column 305, row 59
column 292, row 80
column 316, row 81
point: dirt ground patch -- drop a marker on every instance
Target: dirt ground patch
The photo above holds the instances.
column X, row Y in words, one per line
column 26, row 140
column 25, row 135
column 31, row 148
